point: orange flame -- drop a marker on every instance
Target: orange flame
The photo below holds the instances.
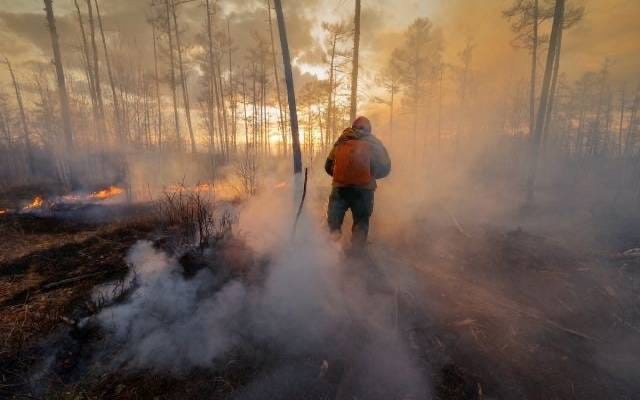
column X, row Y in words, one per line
column 107, row 193
column 3, row 211
column 37, row 202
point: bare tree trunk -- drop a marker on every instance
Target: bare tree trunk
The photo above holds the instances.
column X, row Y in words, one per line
column 213, row 82
column 534, row 66
column 544, row 96
column 114, row 95
column 176, row 118
column 62, row 86
column 183, row 79
column 96, row 72
column 87, row 55
column 554, row 84
column 276, row 76
column 330, row 108
column 246, row 118
column 232, row 94
column 354, row 71
column 211, row 89
column 157, row 81
column 23, row 120
column 288, row 73
column 223, row 107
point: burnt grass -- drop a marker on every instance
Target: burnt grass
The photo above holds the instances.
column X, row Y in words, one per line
column 501, row 314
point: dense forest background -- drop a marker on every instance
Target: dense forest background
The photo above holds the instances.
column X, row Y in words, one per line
column 148, row 93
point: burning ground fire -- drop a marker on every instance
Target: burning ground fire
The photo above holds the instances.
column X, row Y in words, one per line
column 3, row 211
column 36, row 203
column 111, row 191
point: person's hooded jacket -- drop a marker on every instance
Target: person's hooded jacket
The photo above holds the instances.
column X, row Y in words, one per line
column 379, row 158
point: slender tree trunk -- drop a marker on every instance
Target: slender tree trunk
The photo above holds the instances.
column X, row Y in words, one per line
column 554, row 84
column 87, row 55
column 534, row 67
column 176, row 117
column 288, row 73
column 96, row 70
column 232, row 95
column 114, row 95
column 246, row 118
column 213, row 74
column 330, row 108
column 183, row 78
column 23, row 121
column 276, row 77
column 544, row 96
column 223, row 106
column 157, row 82
column 211, row 90
column 62, row 86
column 354, row 71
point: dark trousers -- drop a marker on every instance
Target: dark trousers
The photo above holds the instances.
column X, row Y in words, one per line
column 360, row 202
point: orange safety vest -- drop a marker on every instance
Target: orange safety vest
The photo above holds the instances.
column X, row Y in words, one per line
column 352, row 163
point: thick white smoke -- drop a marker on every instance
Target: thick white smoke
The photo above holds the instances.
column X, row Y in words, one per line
column 167, row 323
column 311, row 301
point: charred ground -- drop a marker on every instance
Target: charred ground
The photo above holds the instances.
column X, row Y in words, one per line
column 486, row 311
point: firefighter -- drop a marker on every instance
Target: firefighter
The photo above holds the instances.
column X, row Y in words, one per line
column 356, row 160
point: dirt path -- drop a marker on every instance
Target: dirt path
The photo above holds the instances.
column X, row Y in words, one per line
column 519, row 332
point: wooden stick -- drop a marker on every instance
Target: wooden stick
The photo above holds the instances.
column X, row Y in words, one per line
column 304, row 195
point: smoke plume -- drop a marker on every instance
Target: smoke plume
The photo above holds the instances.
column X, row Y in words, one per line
column 312, row 302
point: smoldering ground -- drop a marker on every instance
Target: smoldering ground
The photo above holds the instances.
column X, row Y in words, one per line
column 322, row 314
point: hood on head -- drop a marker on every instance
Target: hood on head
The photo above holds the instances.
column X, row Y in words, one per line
column 362, row 124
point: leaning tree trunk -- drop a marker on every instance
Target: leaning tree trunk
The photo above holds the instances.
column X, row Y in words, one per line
column 288, row 74
column 554, row 50
column 62, row 86
column 354, row 71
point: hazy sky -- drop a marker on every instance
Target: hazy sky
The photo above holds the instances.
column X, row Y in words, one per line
column 611, row 28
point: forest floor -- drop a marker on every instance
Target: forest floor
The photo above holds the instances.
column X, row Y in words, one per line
column 490, row 313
